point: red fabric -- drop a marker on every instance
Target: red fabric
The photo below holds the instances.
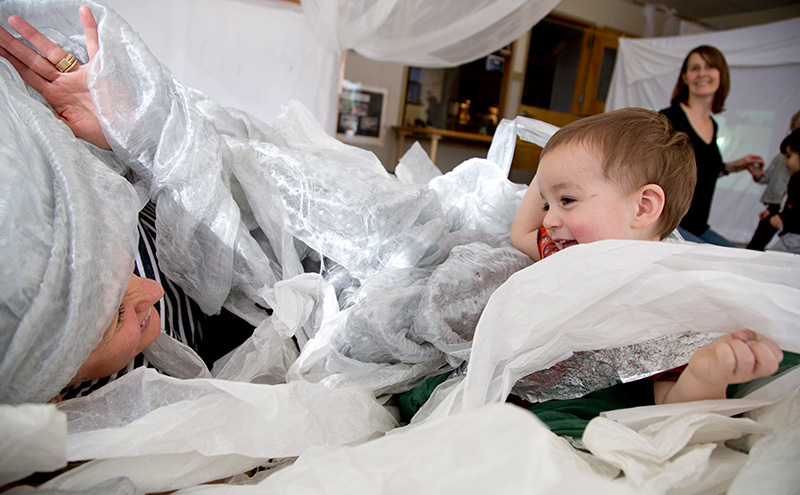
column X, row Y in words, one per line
column 547, row 246
column 668, row 376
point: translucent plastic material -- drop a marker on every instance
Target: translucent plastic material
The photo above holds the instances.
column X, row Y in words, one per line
column 422, row 33
column 67, row 237
column 164, row 433
column 611, row 293
column 381, row 281
column 242, row 206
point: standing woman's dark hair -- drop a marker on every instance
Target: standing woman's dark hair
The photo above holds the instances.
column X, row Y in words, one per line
column 715, row 59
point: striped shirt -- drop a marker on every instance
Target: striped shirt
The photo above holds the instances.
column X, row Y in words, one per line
column 181, row 317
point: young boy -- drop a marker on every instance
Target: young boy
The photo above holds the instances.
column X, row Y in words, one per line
column 789, row 218
column 628, row 174
column 776, row 178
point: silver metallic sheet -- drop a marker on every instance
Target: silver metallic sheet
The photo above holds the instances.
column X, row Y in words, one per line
column 587, row 371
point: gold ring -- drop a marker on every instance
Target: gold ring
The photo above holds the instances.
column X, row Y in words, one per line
column 67, row 63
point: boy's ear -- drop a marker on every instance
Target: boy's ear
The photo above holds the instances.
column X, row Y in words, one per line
column 650, row 203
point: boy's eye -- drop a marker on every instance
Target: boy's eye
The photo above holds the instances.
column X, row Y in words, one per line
column 566, row 201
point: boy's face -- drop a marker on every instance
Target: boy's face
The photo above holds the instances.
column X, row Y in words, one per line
column 792, row 160
column 581, row 205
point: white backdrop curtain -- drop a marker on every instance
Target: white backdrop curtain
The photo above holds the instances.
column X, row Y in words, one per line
column 765, row 69
column 421, row 32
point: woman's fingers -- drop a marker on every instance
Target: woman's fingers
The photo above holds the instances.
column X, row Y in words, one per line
column 42, row 65
column 50, row 50
column 30, row 76
column 89, row 30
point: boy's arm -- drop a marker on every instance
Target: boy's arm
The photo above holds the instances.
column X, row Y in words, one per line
column 735, row 358
column 529, row 218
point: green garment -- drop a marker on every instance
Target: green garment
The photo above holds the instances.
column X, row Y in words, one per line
column 570, row 417
column 411, row 400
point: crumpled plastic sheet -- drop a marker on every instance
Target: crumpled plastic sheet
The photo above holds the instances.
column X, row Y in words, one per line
column 613, row 293
column 497, row 449
column 416, row 167
column 240, row 210
column 113, row 486
column 32, row 439
column 674, row 453
column 164, row 433
column 242, row 206
column 694, row 447
column 67, row 238
column 773, row 459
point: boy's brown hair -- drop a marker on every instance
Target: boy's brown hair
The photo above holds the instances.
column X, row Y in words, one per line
column 639, row 147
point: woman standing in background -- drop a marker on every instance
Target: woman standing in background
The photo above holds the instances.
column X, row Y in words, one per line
column 702, row 87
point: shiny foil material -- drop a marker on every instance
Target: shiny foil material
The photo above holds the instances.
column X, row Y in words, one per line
column 587, row 371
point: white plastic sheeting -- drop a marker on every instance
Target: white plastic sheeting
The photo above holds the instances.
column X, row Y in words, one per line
column 61, row 210
column 245, row 209
column 262, row 205
column 423, row 33
column 765, row 64
column 613, row 293
column 33, row 439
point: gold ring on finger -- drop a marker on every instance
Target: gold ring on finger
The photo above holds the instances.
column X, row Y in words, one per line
column 67, row 63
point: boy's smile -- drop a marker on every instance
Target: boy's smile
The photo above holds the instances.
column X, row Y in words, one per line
column 581, row 204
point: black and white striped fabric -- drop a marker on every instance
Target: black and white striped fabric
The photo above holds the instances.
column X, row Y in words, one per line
column 181, row 317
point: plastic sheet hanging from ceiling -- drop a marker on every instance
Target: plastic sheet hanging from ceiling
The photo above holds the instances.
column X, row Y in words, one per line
column 423, row 33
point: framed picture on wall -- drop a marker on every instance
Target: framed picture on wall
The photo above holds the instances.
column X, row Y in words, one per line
column 361, row 113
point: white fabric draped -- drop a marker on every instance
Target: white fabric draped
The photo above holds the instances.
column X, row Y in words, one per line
column 244, row 205
column 420, row 32
column 765, row 67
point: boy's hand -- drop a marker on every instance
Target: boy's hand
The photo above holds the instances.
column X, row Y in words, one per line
column 763, row 214
column 735, row 358
column 776, row 221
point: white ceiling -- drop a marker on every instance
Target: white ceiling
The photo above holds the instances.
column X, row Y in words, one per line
column 704, row 9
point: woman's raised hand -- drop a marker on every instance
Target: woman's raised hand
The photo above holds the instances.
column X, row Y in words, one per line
column 752, row 163
column 67, row 92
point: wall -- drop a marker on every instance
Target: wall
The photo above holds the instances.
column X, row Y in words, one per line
column 382, row 75
column 246, row 55
column 615, row 14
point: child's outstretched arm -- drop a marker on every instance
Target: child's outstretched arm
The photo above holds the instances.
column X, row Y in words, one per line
column 735, row 358
column 529, row 218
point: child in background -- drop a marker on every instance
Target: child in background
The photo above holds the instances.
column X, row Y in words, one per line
column 789, row 219
column 776, row 177
column 628, row 174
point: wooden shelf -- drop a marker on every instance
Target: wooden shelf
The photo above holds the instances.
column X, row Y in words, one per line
column 435, row 135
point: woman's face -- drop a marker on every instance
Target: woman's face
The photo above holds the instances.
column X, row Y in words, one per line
column 700, row 77
column 135, row 326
